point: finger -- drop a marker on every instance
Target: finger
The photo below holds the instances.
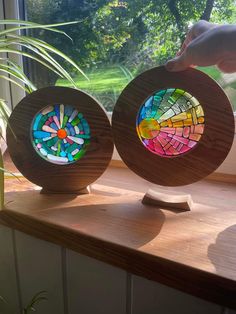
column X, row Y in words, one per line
column 184, row 45
column 179, row 63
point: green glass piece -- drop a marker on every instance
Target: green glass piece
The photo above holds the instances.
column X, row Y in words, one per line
column 42, row 122
column 51, row 114
column 65, row 119
column 72, row 147
column 83, row 136
column 79, row 154
column 52, row 141
column 59, row 148
column 75, row 121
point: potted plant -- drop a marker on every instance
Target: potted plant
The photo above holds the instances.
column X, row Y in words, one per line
column 14, row 42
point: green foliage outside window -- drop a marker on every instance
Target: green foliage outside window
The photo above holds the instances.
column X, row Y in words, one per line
column 123, row 37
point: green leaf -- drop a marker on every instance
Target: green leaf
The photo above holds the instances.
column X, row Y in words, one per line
column 32, row 25
column 28, row 55
column 14, row 82
column 13, row 71
column 16, row 68
column 5, row 115
column 36, row 299
column 57, row 67
column 40, row 43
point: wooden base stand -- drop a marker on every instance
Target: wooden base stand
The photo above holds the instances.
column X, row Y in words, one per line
column 79, row 192
column 168, row 201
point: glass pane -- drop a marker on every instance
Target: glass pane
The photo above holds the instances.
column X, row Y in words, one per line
column 115, row 41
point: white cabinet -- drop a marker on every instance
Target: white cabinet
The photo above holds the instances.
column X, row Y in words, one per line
column 8, row 276
column 149, row 297
column 40, row 268
column 79, row 284
column 94, row 287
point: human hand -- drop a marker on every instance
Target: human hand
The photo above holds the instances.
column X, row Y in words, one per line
column 207, row 44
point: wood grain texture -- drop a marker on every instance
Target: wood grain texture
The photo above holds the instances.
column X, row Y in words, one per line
column 175, row 202
column 94, row 287
column 152, row 298
column 8, row 276
column 192, row 251
column 60, row 178
column 40, row 269
column 199, row 162
column 215, row 176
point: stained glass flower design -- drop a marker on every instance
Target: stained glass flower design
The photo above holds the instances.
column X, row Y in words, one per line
column 60, row 134
column 170, row 122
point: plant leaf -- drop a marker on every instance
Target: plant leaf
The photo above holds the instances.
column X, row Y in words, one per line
column 5, row 116
column 40, row 43
column 31, row 25
column 36, row 298
column 28, row 55
column 11, row 71
column 14, row 82
column 16, row 68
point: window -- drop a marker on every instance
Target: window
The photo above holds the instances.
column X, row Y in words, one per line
column 116, row 40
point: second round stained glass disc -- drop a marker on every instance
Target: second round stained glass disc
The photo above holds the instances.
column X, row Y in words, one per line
column 173, row 128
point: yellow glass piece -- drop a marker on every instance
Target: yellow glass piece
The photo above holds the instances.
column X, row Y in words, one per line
column 167, row 123
column 199, row 111
column 149, row 128
column 188, row 122
column 179, row 117
column 194, row 116
column 178, row 124
column 189, row 115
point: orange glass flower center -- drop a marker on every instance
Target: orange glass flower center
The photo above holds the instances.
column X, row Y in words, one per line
column 61, row 133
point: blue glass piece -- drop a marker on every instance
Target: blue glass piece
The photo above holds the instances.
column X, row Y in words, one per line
column 72, row 131
column 41, row 134
column 80, row 115
column 63, row 154
column 148, row 102
column 54, row 126
column 57, row 110
column 67, row 131
column 143, row 113
column 70, row 157
column 36, row 121
column 68, row 110
column 85, row 126
column 161, row 93
column 80, row 126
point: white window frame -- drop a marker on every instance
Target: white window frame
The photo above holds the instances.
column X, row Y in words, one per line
column 14, row 94
column 10, row 10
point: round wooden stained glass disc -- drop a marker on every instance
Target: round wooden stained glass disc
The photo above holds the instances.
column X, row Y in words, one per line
column 61, row 139
column 173, row 128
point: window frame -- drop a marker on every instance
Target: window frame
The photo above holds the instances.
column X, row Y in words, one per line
column 16, row 9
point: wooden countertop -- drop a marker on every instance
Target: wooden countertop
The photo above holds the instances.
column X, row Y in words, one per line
column 191, row 251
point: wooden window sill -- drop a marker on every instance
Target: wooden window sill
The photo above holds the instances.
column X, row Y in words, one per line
column 191, row 251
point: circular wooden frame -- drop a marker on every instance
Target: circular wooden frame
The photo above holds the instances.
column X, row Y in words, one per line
column 192, row 166
column 66, row 178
